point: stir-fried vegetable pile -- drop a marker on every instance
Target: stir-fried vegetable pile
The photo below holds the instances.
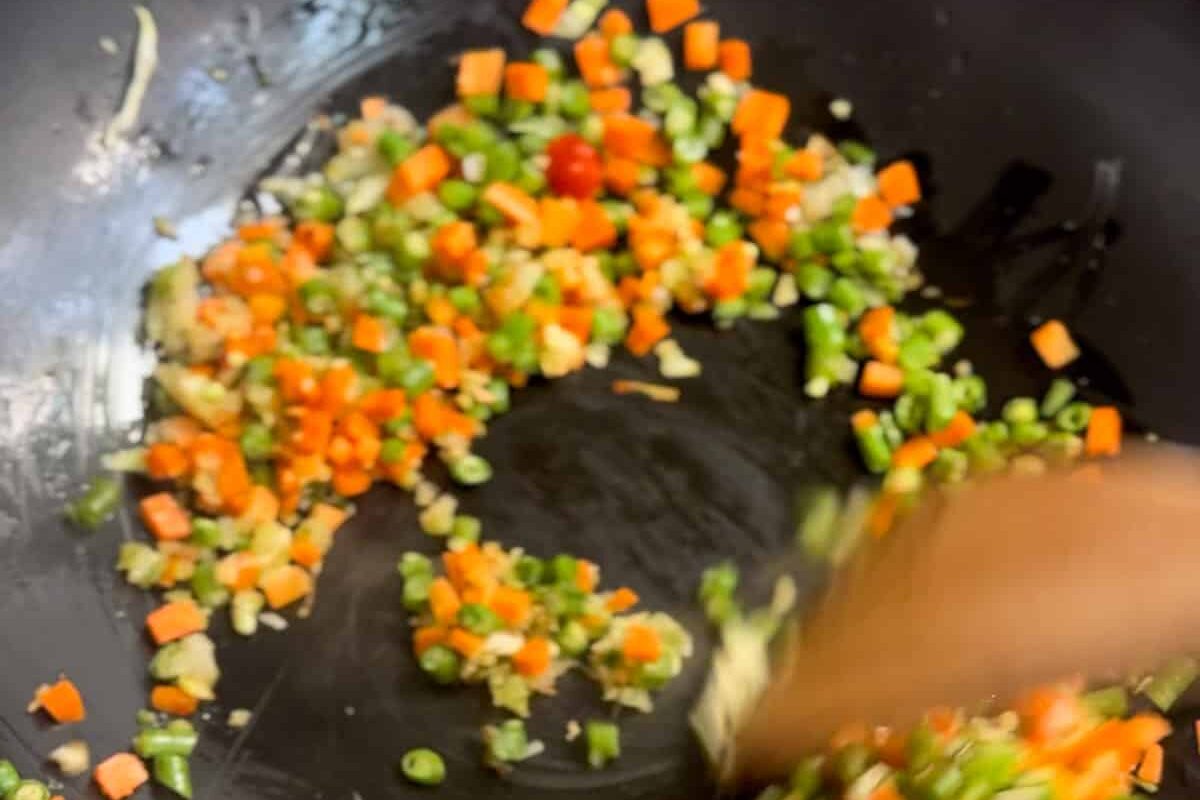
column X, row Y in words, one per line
column 1057, row 744
column 524, row 231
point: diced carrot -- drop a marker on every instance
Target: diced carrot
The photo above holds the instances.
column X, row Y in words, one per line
column 731, row 271
column 1054, row 344
column 917, row 453
column 513, row 202
column 1049, row 712
column 165, row 518
column 898, row 184
column 863, row 420
column 876, row 327
column 559, row 218
column 881, row 380
column 870, row 214
column 533, row 658
column 480, row 72
column 369, row 334
column 427, row 636
column 541, row 16
column 465, row 643
column 593, row 57
column 261, row 506
column 647, row 330
column 165, row 461
column 314, row 236
column 709, row 178
column 733, row 57
column 443, row 601
column 437, row 346
column 761, row 113
column 700, row 43
column 120, row 775
column 453, row 242
column 268, row 228
column 174, row 621
column 882, row 515
column 1104, row 432
column 351, row 481
column 595, row 230
column 614, row 22
column 1151, row 768
column 587, row 575
column 960, row 428
column 267, row 308
column 628, row 136
column 304, row 551
column 749, row 201
column 577, row 320
column 420, row 172
column 667, row 14
column 772, row 235
column 172, row 700
column 514, row 606
column 642, row 644
column 285, row 584
column 885, row 791
column 805, row 165
column 62, row 701
column 621, row 175
column 614, row 100
column 620, row 600
column 525, row 80
column 430, row 416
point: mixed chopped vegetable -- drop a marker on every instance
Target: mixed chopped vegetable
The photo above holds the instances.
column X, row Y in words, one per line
column 527, row 230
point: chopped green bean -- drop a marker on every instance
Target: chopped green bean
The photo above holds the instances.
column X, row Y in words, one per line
column 174, row 772
column 256, row 441
column 603, row 742
column 722, row 228
column 873, row 446
column 471, row 470
column 1061, row 392
column 440, row 663
column 813, row 280
column 9, row 777
column 856, row 152
column 1171, row 681
column 1020, row 409
column 28, row 789
column 395, row 147
column 478, row 619
column 176, row 741
column 97, row 504
column 423, row 766
column 1074, row 418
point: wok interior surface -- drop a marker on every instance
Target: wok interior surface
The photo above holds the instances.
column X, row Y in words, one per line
column 1056, row 140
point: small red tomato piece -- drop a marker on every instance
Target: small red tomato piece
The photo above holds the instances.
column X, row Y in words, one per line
column 575, row 169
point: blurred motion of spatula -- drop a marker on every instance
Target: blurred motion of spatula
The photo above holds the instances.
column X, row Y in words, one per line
column 990, row 589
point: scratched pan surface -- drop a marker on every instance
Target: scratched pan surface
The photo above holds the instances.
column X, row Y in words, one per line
column 1058, row 140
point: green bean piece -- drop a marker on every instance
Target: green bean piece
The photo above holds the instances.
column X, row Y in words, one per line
column 440, row 663
column 28, row 789
column 813, row 280
column 209, row 591
column 1062, row 446
column 314, row 340
column 382, row 304
column 681, row 117
column 722, row 228
column 806, row 778
column 417, row 377
column 9, row 777
column 318, row 203
column 507, row 742
column 711, row 131
column 891, row 431
column 479, row 619
column 153, row 742
column 550, row 59
column 423, row 766
column 689, row 149
column 856, row 152
column 823, row 329
column 698, row 205
column 457, row 195
column 846, row 295
column 918, row 352
column 910, row 412
column 943, row 404
column 832, row 237
column 622, row 49
column 530, row 570
column 1074, row 418
column 97, row 504
column 483, row 105
column 1028, row 434
column 392, row 450
column 850, row 762
column 1110, row 702
column 1060, row 392
column 256, row 442
column 503, row 162
column 413, row 564
column 414, row 251
column 608, row 325
column 843, row 206
column 603, row 742
column 800, row 245
column 941, row 326
column 574, row 103
column 466, row 528
column 573, row 638
column 416, row 591
column 950, row 466
column 1020, row 409
column 972, row 393
column 471, row 470
column 259, row 370
column 175, row 773
column 1171, row 681
column 873, row 446
column 394, row 146
column 564, row 569
column 318, row 297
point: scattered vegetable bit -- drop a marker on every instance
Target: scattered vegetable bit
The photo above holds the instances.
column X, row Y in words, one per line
column 423, row 766
column 120, row 775
column 656, row 392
